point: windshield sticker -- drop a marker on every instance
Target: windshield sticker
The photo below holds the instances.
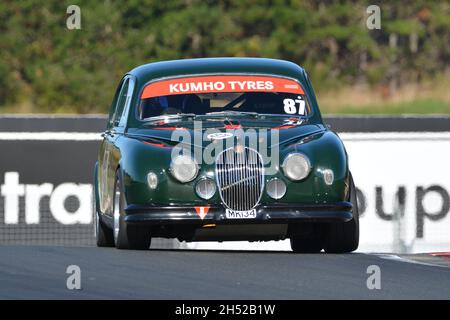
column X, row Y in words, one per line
column 216, row 84
column 290, row 106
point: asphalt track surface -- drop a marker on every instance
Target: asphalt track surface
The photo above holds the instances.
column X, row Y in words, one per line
column 39, row 272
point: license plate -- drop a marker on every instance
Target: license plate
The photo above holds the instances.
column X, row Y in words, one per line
column 232, row 214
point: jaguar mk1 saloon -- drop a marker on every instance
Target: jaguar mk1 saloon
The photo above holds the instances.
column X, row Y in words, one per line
column 222, row 149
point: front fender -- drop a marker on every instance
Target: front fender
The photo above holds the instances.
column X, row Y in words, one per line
column 325, row 151
column 139, row 158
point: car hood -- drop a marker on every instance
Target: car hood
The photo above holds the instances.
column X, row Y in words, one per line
column 280, row 130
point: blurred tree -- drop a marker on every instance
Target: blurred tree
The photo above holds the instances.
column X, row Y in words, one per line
column 53, row 69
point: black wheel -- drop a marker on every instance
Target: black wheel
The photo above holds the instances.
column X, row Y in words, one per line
column 306, row 244
column 344, row 236
column 103, row 234
column 127, row 236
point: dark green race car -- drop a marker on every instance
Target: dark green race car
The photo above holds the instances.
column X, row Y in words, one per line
column 222, row 149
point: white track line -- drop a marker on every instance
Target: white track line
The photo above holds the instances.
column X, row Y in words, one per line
column 394, row 136
column 50, row 136
column 395, row 257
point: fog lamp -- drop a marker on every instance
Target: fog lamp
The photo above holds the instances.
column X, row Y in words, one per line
column 205, row 188
column 276, row 188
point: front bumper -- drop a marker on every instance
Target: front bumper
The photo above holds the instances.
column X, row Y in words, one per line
column 279, row 213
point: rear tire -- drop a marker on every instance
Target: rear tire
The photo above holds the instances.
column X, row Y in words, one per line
column 127, row 236
column 344, row 236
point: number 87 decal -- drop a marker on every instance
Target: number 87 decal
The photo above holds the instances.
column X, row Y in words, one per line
column 290, row 106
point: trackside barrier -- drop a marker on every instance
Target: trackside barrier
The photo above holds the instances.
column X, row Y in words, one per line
column 400, row 167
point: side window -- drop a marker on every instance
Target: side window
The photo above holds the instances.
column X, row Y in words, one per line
column 112, row 110
column 126, row 109
column 121, row 101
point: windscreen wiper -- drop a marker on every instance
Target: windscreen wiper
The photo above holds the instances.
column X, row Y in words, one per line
column 276, row 115
column 170, row 117
column 232, row 112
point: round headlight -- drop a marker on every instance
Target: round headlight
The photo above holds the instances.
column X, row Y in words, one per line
column 276, row 188
column 205, row 188
column 184, row 168
column 152, row 180
column 296, row 166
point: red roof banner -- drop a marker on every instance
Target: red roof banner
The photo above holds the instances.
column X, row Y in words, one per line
column 217, row 84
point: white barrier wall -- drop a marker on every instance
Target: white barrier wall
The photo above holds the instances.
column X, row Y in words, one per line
column 407, row 173
column 410, row 171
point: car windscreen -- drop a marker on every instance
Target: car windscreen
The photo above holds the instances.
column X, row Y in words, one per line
column 211, row 94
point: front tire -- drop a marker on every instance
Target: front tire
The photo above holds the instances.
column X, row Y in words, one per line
column 306, row 244
column 126, row 236
column 344, row 236
column 103, row 235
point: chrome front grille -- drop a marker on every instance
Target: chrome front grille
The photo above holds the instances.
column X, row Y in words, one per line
column 240, row 177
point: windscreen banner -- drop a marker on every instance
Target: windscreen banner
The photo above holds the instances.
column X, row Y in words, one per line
column 207, row 84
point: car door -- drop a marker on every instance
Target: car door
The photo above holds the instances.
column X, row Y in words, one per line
column 111, row 156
